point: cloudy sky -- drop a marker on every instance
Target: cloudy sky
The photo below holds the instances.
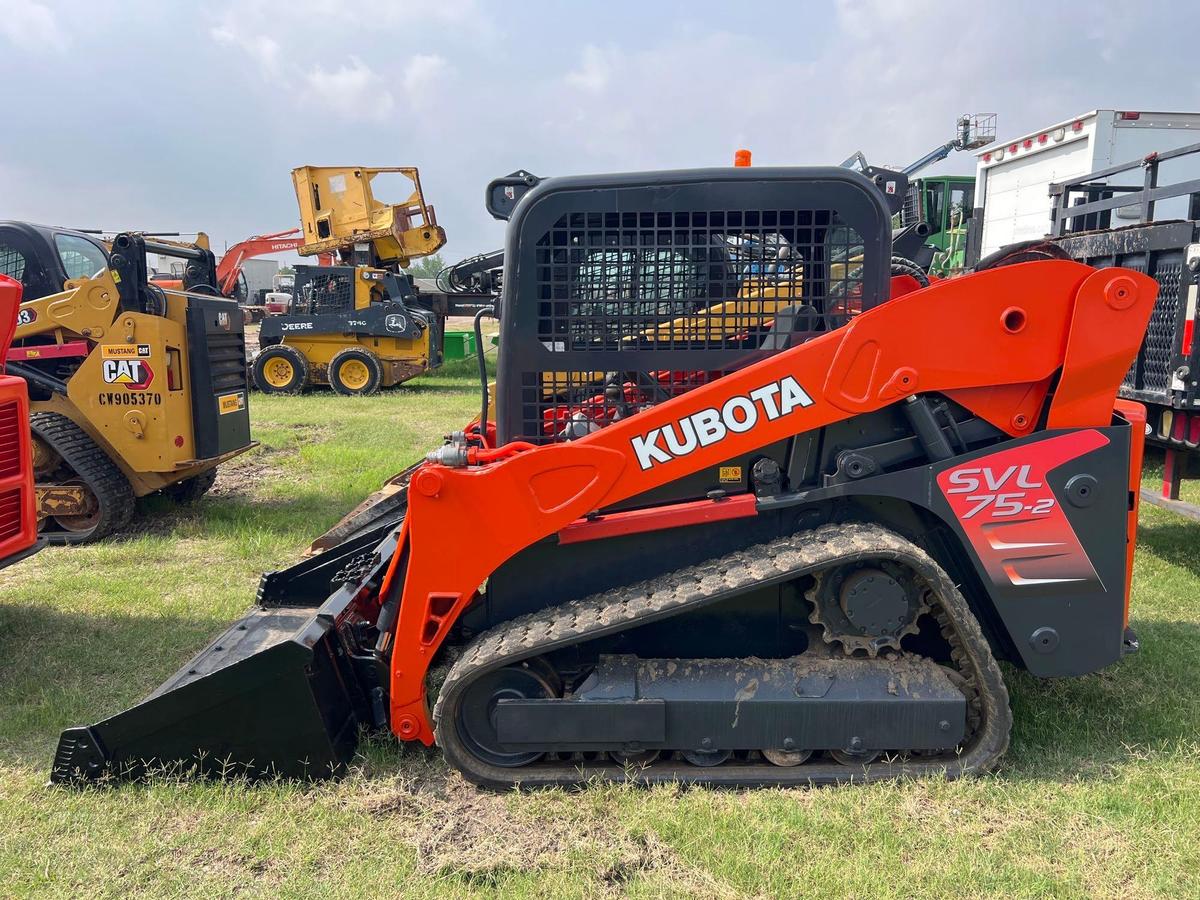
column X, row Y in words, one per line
column 183, row 116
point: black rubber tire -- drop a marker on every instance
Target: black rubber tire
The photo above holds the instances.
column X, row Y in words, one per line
column 356, row 354
column 190, row 490
column 300, row 370
column 89, row 462
column 1022, row 251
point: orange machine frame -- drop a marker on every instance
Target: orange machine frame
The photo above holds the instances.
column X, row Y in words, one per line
column 16, row 476
column 992, row 341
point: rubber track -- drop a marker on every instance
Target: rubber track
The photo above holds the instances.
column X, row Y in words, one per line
column 90, row 463
column 784, row 559
column 190, row 490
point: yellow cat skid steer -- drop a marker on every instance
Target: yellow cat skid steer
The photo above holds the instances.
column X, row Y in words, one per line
column 134, row 389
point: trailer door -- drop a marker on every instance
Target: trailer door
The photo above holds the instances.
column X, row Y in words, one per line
column 1017, row 205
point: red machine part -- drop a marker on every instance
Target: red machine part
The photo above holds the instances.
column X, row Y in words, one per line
column 18, row 520
column 1009, row 512
column 992, row 341
column 230, row 266
column 66, row 350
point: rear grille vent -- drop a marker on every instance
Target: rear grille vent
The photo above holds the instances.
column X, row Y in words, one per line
column 10, row 513
column 227, row 359
column 10, row 440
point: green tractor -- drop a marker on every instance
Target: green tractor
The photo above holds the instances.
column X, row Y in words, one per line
column 944, row 203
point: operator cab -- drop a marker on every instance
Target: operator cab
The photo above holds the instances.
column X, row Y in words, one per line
column 622, row 291
column 43, row 258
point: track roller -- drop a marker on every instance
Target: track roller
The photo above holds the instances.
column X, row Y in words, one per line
column 706, row 757
column 633, row 758
column 854, row 757
column 787, row 758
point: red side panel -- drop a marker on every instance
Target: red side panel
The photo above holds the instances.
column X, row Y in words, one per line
column 1011, row 516
column 69, row 350
column 657, row 518
column 18, row 522
column 10, row 301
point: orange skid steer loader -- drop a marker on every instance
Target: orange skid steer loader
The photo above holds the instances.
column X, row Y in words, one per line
column 787, row 552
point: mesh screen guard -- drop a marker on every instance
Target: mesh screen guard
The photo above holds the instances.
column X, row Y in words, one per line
column 319, row 290
column 622, row 291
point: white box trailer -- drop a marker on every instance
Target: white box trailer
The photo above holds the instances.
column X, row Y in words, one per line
column 1013, row 178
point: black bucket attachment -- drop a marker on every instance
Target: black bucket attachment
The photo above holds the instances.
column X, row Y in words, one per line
column 282, row 692
column 380, row 512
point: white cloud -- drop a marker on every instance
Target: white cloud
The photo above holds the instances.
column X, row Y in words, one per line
column 423, row 75
column 262, row 48
column 353, row 90
column 594, row 72
column 31, row 25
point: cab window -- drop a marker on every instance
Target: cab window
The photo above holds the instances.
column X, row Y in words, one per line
column 935, row 203
column 80, row 257
column 12, row 262
column 962, row 197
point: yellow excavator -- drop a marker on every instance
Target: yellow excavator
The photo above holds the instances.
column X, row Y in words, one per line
column 134, row 388
column 359, row 325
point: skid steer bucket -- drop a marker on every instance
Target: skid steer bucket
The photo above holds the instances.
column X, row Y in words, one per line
column 282, row 692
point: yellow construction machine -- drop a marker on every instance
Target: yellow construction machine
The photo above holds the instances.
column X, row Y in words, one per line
column 134, row 388
column 358, row 325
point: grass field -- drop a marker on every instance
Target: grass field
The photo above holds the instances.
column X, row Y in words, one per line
column 1099, row 795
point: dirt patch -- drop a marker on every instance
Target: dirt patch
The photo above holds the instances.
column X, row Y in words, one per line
column 233, row 867
column 478, row 837
column 239, row 476
column 242, row 474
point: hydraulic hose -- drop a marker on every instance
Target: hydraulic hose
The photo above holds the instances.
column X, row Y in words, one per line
column 483, row 379
column 902, row 266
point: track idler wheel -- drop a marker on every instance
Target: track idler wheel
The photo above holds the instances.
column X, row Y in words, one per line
column 635, row 759
column 854, row 757
column 530, row 680
column 83, row 522
column 706, row 758
column 787, row 758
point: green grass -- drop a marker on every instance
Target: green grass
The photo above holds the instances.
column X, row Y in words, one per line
column 1099, row 795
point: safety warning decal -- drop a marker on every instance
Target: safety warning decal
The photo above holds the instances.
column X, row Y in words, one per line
column 730, row 474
